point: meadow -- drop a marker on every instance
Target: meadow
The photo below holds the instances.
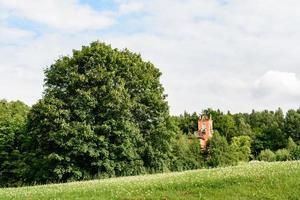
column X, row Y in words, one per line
column 254, row 180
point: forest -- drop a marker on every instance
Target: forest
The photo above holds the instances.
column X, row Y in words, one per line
column 104, row 113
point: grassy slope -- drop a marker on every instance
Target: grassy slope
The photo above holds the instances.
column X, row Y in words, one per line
column 280, row 180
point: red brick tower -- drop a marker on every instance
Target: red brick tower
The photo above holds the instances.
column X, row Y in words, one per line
column 205, row 130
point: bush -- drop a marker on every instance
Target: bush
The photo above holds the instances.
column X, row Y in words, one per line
column 295, row 153
column 266, row 155
column 241, row 146
column 186, row 154
column 294, row 149
column 282, row 155
column 180, row 154
column 196, row 153
column 219, row 152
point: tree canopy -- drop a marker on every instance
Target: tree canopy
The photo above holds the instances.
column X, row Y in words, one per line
column 13, row 119
column 103, row 113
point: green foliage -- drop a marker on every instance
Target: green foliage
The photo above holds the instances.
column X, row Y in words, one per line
column 186, row 154
column 13, row 117
column 291, row 144
column 187, row 123
column 292, row 125
column 241, row 146
column 103, row 114
column 267, row 155
column 224, row 124
column 243, row 128
column 219, row 152
column 196, row 153
column 282, row 155
column 268, row 128
column 294, row 149
column 295, row 153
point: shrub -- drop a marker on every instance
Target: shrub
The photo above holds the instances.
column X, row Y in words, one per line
column 219, row 152
column 267, row 155
column 295, row 153
column 180, row 153
column 282, row 155
column 294, row 149
column 241, row 147
column 196, row 153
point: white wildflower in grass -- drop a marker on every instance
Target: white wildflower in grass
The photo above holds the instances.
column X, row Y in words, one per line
column 255, row 180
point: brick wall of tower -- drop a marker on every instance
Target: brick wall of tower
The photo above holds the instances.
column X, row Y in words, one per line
column 205, row 130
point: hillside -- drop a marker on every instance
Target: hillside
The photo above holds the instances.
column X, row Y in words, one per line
column 257, row 180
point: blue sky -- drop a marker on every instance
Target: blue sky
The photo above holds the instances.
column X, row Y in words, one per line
column 233, row 55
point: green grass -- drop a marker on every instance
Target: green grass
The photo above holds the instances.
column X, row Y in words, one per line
column 257, row 180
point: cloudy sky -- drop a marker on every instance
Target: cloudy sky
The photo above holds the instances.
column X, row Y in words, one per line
column 229, row 54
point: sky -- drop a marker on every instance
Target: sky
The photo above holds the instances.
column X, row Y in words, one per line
column 228, row 54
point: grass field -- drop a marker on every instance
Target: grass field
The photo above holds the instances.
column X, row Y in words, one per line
column 258, row 180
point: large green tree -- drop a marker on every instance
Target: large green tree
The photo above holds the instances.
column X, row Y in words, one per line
column 13, row 117
column 268, row 127
column 103, row 113
column 292, row 125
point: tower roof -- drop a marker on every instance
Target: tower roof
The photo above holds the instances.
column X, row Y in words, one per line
column 205, row 117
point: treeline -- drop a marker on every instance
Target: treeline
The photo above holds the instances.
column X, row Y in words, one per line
column 104, row 114
column 273, row 135
column 237, row 137
column 31, row 155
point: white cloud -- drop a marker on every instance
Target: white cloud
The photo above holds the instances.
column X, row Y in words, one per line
column 130, row 7
column 11, row 35
column 212, row 54
column 67, row 15
column 276, row 89
column 277, row 84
